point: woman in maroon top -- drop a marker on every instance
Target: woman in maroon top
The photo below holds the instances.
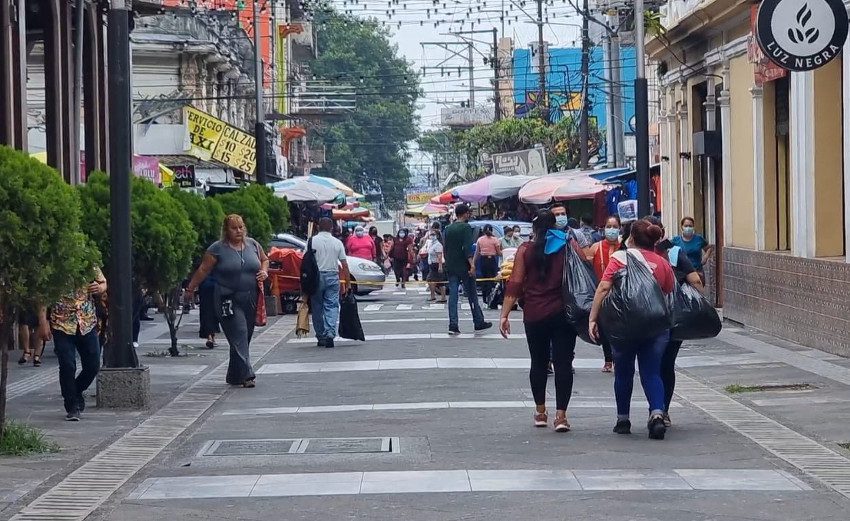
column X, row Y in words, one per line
column 536, row 280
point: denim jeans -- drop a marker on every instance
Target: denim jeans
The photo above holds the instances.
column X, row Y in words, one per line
column 66, row 348
column 649, row 352
column 468, row 282
column 325, row 305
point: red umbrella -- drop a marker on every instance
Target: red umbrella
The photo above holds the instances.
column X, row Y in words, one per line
column 445, row 198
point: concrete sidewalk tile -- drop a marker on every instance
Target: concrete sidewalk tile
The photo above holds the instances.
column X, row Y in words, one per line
column 335, row 408
column 318, row 484
column 261, row 410
column 307, row 367
column 737, row 479
column 630, row 480
column 512, row 363
column 522, row 480
column 357, row 365
column 720, row 360
column 404, row 482
column 466, row 363
column 410, row 363
column 199, row 487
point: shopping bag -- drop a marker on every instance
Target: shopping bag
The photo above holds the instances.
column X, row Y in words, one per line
column 261, row 318
column 302, row 324
column 636, row 308
column 578, row 287
column 349, row 319
column 693, row 315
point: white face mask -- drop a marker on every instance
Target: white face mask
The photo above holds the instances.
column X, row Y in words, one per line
column 561, row 221
column 360, row 233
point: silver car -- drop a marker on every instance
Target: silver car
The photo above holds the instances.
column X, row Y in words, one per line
column 362, row 270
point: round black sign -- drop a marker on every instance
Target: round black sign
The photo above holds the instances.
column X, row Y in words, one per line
column 802, row 35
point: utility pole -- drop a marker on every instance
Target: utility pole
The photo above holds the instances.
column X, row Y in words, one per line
column 641, row 113
column 541, row 63
column 260, row 126
column 471, row 76
column 497, row 75
column 120, row 353
column 609, row 117
column 617, row 93
column 76, row 171
column 584, row 131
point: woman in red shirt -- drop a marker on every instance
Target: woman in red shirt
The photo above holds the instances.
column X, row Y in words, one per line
column 599, row 255
column 536, row 279
column 361, row 245
column 649, row 351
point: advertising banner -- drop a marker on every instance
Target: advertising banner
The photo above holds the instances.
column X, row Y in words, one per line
column 184, row 176
column 209, row 138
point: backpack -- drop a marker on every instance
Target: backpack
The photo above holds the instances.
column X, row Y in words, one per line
column 309, row 270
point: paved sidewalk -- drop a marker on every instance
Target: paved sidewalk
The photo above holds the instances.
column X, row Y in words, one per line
column 34, row 399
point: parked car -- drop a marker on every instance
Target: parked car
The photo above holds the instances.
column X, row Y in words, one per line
column 362, row 270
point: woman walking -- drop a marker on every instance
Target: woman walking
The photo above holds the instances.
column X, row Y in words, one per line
column 361, row 245
column 239, row 266
column 436, row 268
column 599, row 254
column 649, row 351
column 537, row 279
column 695, row 246
column 208, row 319
column 401, row 253
column 488, row 250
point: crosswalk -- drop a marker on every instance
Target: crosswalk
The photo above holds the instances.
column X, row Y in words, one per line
column 375, row 308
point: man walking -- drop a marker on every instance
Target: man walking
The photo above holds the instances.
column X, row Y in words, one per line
column 324, row 304
column 461, row 270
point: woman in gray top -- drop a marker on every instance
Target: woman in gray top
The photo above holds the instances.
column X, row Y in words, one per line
column 239, row 266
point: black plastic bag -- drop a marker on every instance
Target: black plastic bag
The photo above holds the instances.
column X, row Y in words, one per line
column 636, row 308
column 578, row 287
column 349, row 319
column 693, row 315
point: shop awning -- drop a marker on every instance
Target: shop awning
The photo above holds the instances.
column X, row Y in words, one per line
column 301, row 189
column 426, row 210
column 561, row 187
column 491, row 188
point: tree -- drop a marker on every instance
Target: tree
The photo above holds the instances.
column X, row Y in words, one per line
column 206, row 215
column 44, row 253
column 164, row 240
column 367, row 148
column 241, row 202
column 275, row 207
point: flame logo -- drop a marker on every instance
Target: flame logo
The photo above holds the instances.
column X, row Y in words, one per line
column 800, row 33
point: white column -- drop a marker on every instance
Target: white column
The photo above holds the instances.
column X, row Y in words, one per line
column 726, row 123
column 758, row 166
column 845, row 82
column 686, row 185
column 708, row 189
column 802, row 182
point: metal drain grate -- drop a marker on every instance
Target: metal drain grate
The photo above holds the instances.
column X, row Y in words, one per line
column 812, row 458
column 250, row 447
column 348, row 445
column 85, row 489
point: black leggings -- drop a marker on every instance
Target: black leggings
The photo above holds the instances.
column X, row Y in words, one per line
column 668, row 371
column 402, row 274
column 489, row 270
column 553, row 334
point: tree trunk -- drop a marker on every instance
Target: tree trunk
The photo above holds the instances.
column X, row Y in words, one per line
column 5, row 337
column 171, row 303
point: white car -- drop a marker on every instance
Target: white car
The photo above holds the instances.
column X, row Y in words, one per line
column 362, row 270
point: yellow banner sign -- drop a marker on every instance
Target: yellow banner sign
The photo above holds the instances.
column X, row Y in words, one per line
column 419, row 197
column 208, row 138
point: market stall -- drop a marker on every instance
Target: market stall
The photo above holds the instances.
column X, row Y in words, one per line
column 302, row 189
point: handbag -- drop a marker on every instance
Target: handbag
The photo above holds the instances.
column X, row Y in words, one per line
column 261, row 318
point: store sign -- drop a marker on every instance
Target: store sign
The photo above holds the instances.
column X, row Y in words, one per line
column 147, row 167
column 184, row 176
column 523, row 162
column 802, row 35
column 209, row 138
column 415, row 198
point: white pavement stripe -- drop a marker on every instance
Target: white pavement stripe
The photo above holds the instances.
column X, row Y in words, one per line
column 415, row 363
column 404, row 307
column 86, row 488
column 721, row 360
column 373, row 307
column 442, row 481
column 806, row 454
column 599, row 403
column 407, row 336
column 807, row 399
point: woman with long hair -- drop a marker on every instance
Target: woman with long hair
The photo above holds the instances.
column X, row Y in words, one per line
column 537, row 278
column 239, row 266
column 648, row 351
column 599, row 254
column 436, row 264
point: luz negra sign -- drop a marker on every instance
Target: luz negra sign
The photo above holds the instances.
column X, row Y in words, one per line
column 802, row 35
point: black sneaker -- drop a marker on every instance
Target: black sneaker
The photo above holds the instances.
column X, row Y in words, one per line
column 454, row 330
column 656, row 427
column 73, row 416
column 321, row 342
column 81, row 403
column 623, row 427
column 329, row 343
column 484, row 325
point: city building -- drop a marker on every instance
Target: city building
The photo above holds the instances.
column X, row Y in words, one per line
column 760, row 157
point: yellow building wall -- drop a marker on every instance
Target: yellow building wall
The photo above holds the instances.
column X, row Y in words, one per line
column 771, row 206
column 829, row 198
column 741, row 156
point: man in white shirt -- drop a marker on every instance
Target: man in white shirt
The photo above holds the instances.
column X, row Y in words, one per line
column 324, row 304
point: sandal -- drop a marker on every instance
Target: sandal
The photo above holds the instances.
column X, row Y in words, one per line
column 24, row 358
column 608, row 367
column 36, row 361
column 249, row 384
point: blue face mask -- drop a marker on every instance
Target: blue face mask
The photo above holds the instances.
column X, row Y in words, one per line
column 612, row 234
column 688, row 231
column 561, row 221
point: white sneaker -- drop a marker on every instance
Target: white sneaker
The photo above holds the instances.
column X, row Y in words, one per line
column 135, row 345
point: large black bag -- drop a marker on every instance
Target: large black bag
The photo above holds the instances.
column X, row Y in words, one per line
column 349, row 319
column 309, row 271
column 693, row 315
column 578, row 288
column 636, row 308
